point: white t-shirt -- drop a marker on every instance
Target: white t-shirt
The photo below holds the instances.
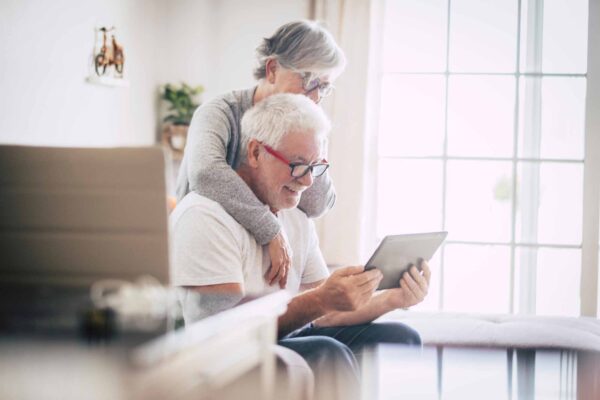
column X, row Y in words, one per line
column 210, row 247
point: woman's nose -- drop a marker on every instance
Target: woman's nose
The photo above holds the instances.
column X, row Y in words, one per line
column 314, row 95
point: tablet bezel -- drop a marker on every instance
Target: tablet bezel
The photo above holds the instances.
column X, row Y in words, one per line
column 414, row 246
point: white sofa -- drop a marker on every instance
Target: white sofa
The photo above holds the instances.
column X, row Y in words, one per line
column 517, row 331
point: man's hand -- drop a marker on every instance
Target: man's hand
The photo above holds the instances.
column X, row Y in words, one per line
column 348, row 288
column 281, row 254
column 413, row 287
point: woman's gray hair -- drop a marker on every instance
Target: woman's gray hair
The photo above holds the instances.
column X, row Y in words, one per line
column 279, row 114
column 302, row 46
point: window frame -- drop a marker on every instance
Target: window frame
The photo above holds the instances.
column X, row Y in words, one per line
column 589, row 247
column 591, row 173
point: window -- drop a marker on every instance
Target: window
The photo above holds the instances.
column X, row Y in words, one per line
column 481, row 132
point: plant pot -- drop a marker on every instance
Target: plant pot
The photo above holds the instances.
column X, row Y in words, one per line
column 174, row 137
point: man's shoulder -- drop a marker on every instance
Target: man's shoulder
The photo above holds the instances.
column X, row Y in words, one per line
column 202, row 210
column 294, row 218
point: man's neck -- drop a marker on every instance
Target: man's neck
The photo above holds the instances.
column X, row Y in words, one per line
column 244, row 173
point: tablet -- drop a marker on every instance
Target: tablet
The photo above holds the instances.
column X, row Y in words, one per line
column 397, row 252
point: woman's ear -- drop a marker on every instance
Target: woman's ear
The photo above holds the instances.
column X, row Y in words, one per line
column 253, row 153
column 271, row 68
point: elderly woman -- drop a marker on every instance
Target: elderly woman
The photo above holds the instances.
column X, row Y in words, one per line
column 301, row 57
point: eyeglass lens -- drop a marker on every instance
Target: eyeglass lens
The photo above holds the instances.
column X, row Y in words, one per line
column 316, row 170
column 324, row 88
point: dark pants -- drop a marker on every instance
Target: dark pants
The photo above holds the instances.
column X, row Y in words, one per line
column 332, row 353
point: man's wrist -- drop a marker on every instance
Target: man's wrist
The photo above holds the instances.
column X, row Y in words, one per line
column 390, row 300
column 319, row 298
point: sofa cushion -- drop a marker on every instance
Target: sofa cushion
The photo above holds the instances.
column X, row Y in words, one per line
column 519, row 331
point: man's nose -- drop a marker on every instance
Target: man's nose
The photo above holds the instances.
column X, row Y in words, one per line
column 307, row 179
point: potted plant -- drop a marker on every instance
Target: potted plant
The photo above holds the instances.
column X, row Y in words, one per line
column 182, row 102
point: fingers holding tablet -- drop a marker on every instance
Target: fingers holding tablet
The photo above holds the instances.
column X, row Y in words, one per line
column 398, row 254
column 415, row 282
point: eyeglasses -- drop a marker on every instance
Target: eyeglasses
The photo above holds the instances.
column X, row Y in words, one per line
column 298, row 170
column 310, row 84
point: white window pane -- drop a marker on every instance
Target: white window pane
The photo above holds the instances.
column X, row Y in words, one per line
column 483, row 36
column 409, row 196
column 481, row 116
column 474, row 373
column 558, row 274
column 565, row 36
column 414, row 36
column 557, row 283
column 478, row 203
column 476, row 278
column 412, row 116
column 562, row 119
column 550, row 201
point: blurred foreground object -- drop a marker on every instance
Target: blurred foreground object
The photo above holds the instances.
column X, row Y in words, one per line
column 210, row 359
column 85, row 261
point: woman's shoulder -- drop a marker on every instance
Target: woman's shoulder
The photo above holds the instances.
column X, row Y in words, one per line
column 223, row 113
column 235, row 101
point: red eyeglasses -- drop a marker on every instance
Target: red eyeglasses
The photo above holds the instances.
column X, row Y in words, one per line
column 298, row 170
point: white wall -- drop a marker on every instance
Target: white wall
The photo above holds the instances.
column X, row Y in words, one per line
column 46, row 49
column 213, row 41
column 44, row 59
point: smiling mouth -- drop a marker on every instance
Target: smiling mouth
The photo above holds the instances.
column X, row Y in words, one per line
column 294, row 191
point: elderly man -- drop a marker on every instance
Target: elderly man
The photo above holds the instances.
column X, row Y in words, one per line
column 328, row 321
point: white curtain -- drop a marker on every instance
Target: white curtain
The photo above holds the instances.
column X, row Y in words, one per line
column 341, row 230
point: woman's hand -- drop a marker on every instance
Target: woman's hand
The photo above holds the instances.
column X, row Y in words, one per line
column 281, row 256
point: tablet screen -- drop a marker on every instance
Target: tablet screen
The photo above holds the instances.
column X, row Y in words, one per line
column 397, row 252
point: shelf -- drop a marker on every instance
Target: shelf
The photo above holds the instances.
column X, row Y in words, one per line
column 106, row 81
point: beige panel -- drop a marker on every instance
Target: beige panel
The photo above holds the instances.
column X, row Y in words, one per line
column 54, row 209
column 79, row 167
column 72, row 214
column 85, row 254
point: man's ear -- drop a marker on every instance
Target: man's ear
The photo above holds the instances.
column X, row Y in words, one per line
column 253, row 153
column 271, row 69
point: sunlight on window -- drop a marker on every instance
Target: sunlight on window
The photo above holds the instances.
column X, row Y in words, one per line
column 562, row 119
column 469, row 145
column 558, row 271
column 404, row 26
column 411, row 199
column 476, row 278
column 482, row 37
column 479, row 200
column 473, row 102
column 559, row 212
column 565, row 36
column 412, row 116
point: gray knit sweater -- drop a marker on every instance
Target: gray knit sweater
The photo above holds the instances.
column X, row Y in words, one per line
column 212, row 154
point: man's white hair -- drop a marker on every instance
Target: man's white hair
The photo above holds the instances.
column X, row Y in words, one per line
column 279, row 114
